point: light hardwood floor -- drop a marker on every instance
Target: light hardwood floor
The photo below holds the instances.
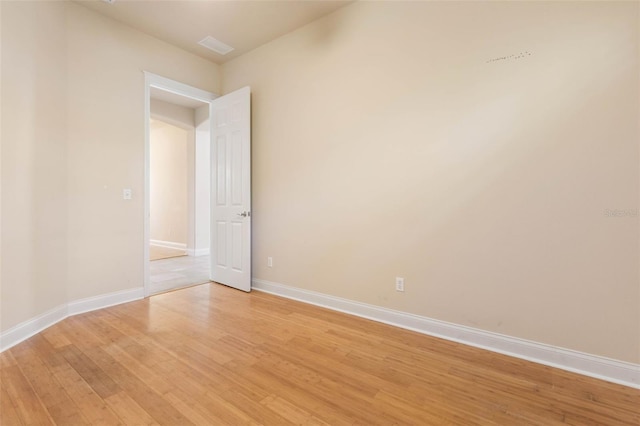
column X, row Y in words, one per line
column 210, row 355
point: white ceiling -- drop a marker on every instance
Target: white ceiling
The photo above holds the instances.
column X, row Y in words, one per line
column 244, row 25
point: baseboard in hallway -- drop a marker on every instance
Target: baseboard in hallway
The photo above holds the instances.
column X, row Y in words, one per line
column 161, row 252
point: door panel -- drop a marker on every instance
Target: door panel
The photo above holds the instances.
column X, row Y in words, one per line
column 231, row 190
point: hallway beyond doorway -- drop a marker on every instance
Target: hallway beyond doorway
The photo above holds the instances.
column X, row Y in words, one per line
column 178, row 272
column 159, row 252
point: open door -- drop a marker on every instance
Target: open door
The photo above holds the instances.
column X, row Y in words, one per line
column 231, row 189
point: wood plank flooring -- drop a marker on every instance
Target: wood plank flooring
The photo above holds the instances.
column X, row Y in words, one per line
column 211, row 355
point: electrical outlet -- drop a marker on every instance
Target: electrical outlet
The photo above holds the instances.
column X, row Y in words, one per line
column 399, row 284
column 270, row 262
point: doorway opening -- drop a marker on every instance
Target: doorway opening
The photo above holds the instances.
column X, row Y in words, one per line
column 169, row 179
column 177, row 185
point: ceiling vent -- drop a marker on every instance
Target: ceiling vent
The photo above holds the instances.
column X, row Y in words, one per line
column 215, row 45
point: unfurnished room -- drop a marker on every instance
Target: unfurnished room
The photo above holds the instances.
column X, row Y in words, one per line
column 319, row 212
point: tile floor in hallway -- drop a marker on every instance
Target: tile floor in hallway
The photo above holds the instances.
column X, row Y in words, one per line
column 178, row 272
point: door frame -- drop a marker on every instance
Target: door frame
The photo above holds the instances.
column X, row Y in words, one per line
column 166, row 84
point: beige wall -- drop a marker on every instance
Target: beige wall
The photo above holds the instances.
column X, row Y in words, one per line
column 177, row 115
column 184, row 118
column 168, row 182
column 106, row 145
column 34, row 160
column 1, row 288
column 387, row 143
column 72, row 139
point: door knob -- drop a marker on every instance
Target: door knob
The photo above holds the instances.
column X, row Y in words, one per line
column 244, row 214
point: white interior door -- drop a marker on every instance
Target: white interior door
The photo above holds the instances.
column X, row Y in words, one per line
column 231, row 189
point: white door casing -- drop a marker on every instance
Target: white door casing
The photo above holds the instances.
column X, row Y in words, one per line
column 231, row 189
column 172, row 86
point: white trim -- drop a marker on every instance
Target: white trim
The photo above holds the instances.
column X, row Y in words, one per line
column 29, row 328
column 175, row 87
column 146, row 231
column 611, row 370
column 104, row 301
column 168, row 244
column 198, row 252
column 178, row 88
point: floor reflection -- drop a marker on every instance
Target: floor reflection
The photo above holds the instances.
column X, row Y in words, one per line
column 178, row 272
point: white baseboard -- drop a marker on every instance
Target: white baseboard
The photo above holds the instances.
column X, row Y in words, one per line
column 198, row 252
column 611, row 370
column 168, row 244
column 28, row 328
column 104, row 301
column 31, row 327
